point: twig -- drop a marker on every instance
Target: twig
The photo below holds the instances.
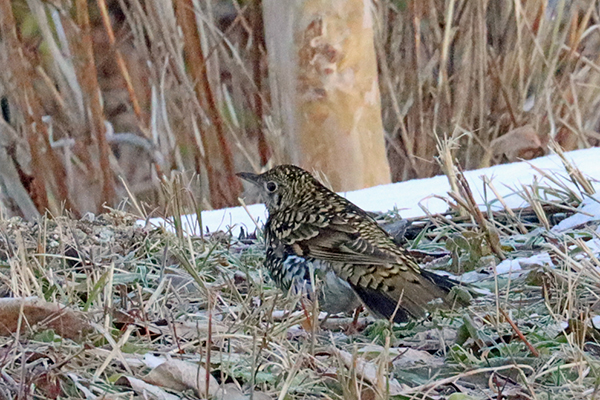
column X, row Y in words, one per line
column 473, row 209
column 532, row 349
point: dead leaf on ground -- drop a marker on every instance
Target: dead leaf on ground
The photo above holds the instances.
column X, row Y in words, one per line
column 182, row 375
column 146, row 389
column 35, row 311
column 368, row 371
column 412, row 357
column 230, row 391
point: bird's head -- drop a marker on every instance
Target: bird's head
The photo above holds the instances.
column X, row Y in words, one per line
column 282, row 186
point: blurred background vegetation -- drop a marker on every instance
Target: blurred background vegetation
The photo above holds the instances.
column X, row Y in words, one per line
column 109, row 99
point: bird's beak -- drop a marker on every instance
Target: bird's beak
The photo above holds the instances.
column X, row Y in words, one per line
column 249, row 176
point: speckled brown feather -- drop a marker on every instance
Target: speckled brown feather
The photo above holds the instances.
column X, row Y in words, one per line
column 313, row 222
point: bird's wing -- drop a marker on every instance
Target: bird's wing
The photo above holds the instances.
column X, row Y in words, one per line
column 334, row 239
column 388, row 282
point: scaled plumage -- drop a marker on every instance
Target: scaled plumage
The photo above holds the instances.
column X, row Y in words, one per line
column 293, row 273
column 309, row 221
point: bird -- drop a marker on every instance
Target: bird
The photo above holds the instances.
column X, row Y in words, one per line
column 310, row 225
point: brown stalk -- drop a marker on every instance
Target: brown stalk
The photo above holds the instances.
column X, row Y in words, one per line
column 43, row 157
column 122, row 65
column 192, row 46
column 473, row 209
column 405, row 150
column 518, row 332
column 196, row 62
column 442, row 87
column 256, row 54
column 481, row 70
column 416, row 12
column 508, row 210
column 88, row 77
column 496, row 76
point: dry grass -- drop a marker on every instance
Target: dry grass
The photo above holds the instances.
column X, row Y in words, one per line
column 476, row 71
column 183, row 88
column 148, row 295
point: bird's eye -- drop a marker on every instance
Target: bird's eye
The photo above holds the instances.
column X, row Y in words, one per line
column 271, row 186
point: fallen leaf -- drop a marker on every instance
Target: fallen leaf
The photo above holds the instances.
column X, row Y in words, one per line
column 368, row 371
column 49, row 384
column 35, row 311
column 412, row 357
column 230, row 391
column 182, row 375
column 147, row 390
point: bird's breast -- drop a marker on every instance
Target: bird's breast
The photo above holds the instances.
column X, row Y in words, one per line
column 294, row 272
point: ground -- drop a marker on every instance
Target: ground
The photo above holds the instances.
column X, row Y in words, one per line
column 107, row 307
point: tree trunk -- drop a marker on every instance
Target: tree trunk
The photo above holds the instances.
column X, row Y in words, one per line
column 323, row 77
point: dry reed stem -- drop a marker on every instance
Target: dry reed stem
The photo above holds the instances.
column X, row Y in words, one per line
column 35, row 130
column 454, row 66
column 256, row 55
column 576, row 175
column 121, row 63
column 88, row 77
column 465, row 198
column 231, row 188
column 504, row 65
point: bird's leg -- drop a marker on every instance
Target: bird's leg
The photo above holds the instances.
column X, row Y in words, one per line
column 353, row 328
column 322, row 324
column 308, row 321
column 357, row 312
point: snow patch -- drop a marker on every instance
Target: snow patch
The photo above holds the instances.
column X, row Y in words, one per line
column 508, row 266
column 517, row 264
column 410, row 196
column 594, row 245
column 589, row 210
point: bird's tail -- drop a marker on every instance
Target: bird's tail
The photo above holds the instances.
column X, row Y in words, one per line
column 415, row 298
column 440, row 281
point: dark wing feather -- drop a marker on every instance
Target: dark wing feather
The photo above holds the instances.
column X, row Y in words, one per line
column 336, row 239
column 356, row 246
